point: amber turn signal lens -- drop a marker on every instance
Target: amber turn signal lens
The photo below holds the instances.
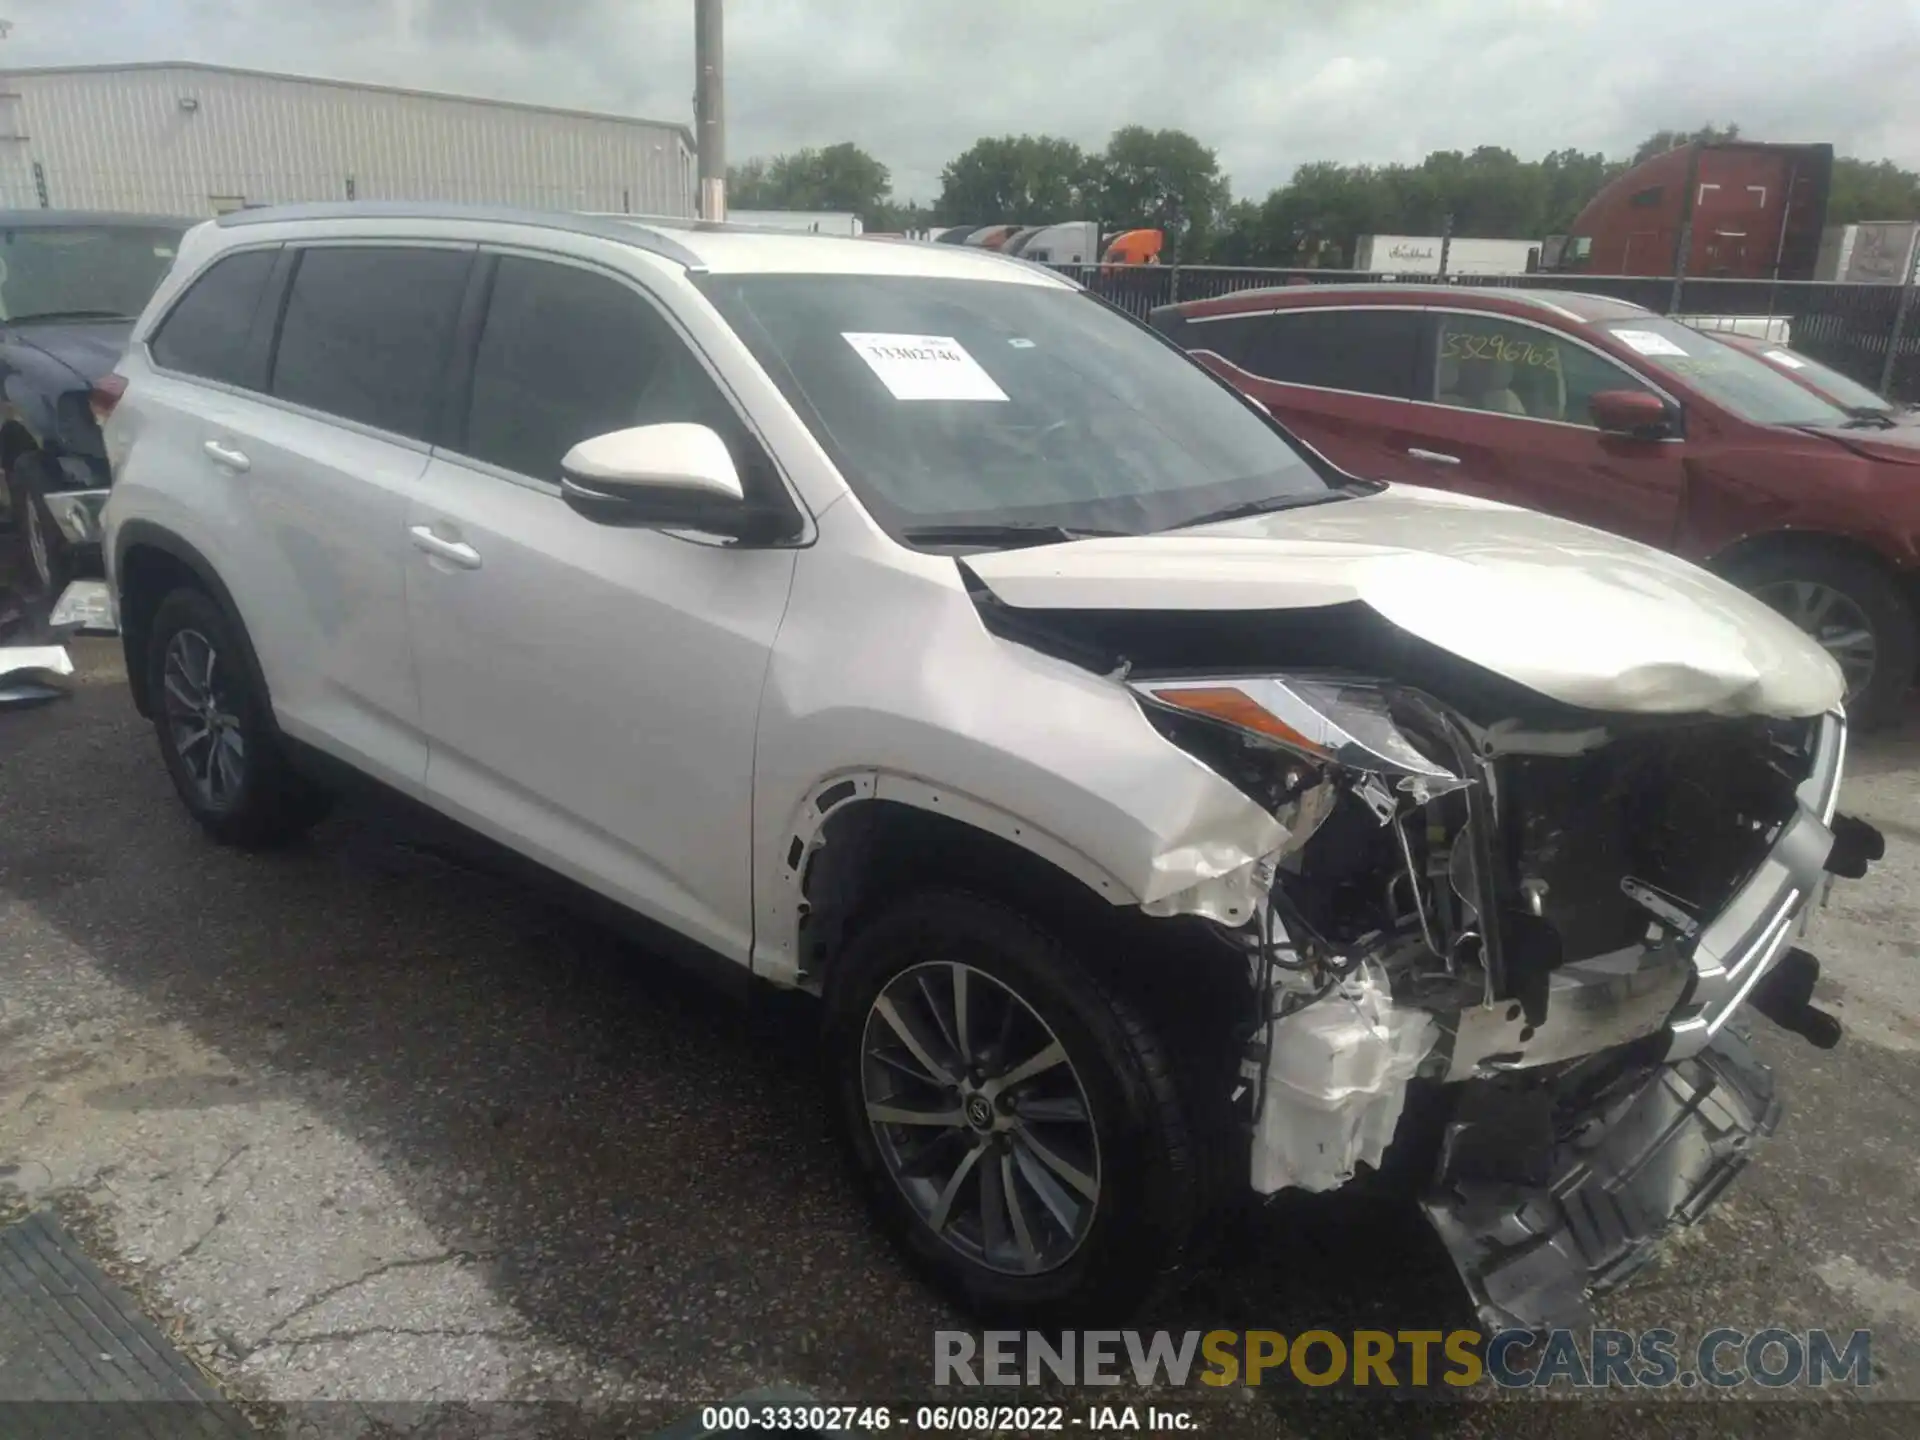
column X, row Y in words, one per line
column 1237, row 708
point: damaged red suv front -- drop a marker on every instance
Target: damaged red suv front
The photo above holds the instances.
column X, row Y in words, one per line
column 1538, row 860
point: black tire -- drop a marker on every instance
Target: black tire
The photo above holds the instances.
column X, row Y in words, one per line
column 1150, row 1190
column 256, row 799
column 1887, row 609
column 43, row 560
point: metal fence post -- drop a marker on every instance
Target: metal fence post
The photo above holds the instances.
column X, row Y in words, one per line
column 1173, row 285
column 1904, row 309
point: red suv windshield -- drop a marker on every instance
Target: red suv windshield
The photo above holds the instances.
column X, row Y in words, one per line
column 1743, row 383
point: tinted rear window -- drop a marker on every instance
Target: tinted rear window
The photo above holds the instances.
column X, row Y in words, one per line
column 1236, row 339
column 205, row 334
column 367, row 333
column 1368, row 351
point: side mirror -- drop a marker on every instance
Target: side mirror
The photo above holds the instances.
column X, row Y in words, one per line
column 660, row 477
column 1631, row 412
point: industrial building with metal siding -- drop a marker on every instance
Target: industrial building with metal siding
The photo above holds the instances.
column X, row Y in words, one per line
column 198, row 140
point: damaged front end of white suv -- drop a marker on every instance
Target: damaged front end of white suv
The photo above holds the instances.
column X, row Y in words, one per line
column 1505, row 932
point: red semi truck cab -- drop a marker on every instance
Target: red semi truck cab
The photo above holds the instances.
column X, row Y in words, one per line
column 1736, row 209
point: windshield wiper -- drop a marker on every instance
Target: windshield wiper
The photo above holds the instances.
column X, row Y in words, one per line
column 1868, row 417
column 1246, row 509
column 66, row 315
column 1009, row 533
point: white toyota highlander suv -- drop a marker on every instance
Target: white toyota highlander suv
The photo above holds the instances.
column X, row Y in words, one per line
column 1160, row 815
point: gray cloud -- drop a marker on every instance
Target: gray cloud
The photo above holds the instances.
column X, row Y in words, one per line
column 1270, row 83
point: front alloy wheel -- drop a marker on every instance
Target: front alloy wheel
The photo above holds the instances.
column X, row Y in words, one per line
column 980, row 1118
column 1016, row 1122
column 202, row 719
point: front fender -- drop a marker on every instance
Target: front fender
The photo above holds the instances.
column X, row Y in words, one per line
column 884, row 677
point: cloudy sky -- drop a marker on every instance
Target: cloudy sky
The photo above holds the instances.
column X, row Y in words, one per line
column 1269, row 83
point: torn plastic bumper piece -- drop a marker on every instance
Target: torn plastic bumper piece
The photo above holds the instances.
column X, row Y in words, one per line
column 1537, row 1229
column 31, row 674
column 86, row 606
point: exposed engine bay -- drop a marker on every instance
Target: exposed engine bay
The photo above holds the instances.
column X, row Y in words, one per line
column 1542, row 913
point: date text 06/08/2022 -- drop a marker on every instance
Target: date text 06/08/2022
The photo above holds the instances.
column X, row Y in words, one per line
column 966, row 1419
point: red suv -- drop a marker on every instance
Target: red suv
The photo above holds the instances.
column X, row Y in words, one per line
column 1609, row 414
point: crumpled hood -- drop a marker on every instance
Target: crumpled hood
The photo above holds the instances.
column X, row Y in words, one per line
column 1581, row 616
column 88, row 348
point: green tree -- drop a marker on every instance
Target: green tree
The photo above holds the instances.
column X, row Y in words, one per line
column 839, row 177
column 1572, row 178
column 1164, row 179
column 1662, row 141
column 894, row 217
column 1015, row 180
column 1872, row 190
column 1319, row 214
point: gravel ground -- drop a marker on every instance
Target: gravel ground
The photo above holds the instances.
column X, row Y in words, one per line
column 370, row 1127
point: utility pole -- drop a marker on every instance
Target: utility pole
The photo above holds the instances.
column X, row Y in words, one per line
column 710, row 107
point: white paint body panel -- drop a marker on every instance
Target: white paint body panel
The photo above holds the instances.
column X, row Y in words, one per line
column 654, row 715
column 1577, row 614
column 309, row 541
column 591, row 694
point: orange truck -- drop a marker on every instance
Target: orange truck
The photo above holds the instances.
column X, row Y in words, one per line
column 1133, row 247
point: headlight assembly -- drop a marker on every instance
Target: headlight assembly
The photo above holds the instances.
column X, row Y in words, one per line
column 1341, row 722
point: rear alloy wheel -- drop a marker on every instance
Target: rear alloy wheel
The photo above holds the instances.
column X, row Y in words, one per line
column 197, row 697
column 1855, row 611
column 215, row 729
column 1017, row 1124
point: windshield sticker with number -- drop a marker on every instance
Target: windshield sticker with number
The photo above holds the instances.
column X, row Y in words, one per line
column 924, row 367
column 1648, row 343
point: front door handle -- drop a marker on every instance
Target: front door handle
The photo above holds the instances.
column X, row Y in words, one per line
column 226, row 455
column 1433, row 457
column 456, row 552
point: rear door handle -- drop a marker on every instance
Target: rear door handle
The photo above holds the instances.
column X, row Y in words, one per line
column 227, row 456
column 456, row 552
column 1433, row 457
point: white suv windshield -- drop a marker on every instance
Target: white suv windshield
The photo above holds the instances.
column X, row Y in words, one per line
column 957, row 403
column 1745, row 384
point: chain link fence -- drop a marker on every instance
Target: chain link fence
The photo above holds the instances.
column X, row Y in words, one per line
column 1870, row 333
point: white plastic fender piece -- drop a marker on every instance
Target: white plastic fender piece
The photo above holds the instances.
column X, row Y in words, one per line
column 1336, row 1083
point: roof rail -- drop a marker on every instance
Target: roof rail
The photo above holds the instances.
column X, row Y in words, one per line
column 635, row 232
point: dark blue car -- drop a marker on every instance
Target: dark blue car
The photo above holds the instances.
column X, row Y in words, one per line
column 71, row 286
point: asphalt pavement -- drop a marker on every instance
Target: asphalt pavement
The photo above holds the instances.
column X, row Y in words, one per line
column 364, row 1124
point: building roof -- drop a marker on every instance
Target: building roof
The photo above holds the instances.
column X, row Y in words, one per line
column 684, row 131
column 95, row 219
